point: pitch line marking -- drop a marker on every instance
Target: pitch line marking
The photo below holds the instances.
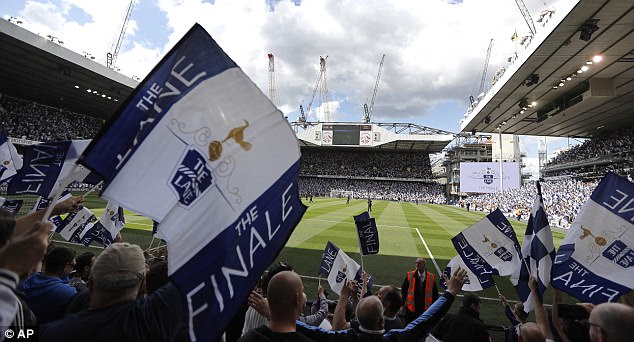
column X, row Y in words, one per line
column 429, row 252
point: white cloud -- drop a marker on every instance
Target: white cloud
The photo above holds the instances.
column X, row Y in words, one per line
column 434, row 49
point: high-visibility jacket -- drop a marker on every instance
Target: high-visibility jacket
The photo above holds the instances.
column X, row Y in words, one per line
column 412, row 276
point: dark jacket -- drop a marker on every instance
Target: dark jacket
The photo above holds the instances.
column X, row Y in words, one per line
column 413, row 332
column 265, row 334
column 157, row 317
column 465, row 325
column 47, row 296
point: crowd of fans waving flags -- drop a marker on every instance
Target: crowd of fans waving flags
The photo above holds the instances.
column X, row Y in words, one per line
column 170, row 114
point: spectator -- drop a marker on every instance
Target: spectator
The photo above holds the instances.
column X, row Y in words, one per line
column 370, row 316
column 258, row 312
column 466, row 325
column 285, row 301
column 17, row 257
column 46, row 292
column 392, row 300
column 83, row 263
column 611, row 322
column 115, row 313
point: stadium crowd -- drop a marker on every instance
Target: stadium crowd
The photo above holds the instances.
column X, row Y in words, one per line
column 33, row 121
column 620, row 140
column 356, row 163
column 562, row 199
column 382, row 190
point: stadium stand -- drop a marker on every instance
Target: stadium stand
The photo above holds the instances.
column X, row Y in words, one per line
column 34, row 121
column 563, row 200
column 385, row 175
column 610, row 151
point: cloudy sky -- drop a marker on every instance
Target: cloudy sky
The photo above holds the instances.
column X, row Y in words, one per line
column 435, row 49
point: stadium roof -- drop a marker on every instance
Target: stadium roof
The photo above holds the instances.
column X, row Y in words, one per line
column 37, row 69
column 601, row 98
column 406, row 137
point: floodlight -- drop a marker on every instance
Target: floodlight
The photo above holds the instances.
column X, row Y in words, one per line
column 587, row 29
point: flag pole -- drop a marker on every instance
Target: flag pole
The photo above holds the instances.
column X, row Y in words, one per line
column 498, row 289
column 94, row 187
column 57, row 193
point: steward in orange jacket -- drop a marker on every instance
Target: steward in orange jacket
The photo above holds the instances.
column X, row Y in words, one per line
column 418, row 297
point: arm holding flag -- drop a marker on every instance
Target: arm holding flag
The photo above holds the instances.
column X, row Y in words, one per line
column 339, row 316
column 540, row 312
column 69, row 205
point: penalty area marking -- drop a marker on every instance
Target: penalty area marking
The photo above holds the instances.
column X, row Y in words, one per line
column 429, row 252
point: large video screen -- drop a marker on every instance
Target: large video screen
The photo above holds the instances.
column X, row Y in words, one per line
column 345, row 135
column 484, row 177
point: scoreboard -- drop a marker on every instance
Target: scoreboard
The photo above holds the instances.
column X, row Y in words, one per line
column 348, row 134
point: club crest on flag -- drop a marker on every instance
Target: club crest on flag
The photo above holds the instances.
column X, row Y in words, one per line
column 341, row 274
column 192, row 177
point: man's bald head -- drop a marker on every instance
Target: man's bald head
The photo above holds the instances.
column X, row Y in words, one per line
column 530, row 332
column 613, row 322
column 285, row 295
column 420, row 265
column 370, row 313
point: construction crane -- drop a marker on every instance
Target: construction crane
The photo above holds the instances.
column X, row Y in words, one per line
column 111, row 57
column 321, row 79
column 527, row 16
column 272, row 81
column 368, row 110
column 484, row 74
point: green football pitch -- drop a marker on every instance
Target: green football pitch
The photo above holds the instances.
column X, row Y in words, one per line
column 406, row 231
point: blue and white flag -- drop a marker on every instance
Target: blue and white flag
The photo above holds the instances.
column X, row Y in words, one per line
column 474, row 282
column 11, row 205
column 594, row 262
column 10, row 160
column 489, row 246
column 48, row 167
column 76, row 224
column 109, row 225
column 367, row 233
column 200, row 149
column 43, row 203
column 338, row 267
column 538, row 252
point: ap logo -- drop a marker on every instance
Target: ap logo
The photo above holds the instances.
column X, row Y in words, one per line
column 192, row 177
